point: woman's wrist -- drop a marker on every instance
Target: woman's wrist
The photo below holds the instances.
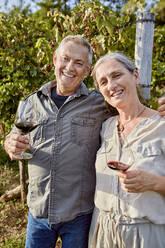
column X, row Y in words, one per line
column 159, row 184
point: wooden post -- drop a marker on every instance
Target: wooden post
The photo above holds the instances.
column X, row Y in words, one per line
column 22, row 171
column 143, row 49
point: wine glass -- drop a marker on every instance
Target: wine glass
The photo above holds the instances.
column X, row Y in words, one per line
column 26, row 120
column 116, row 164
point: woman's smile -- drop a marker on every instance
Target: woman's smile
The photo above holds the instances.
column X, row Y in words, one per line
column 117, row 93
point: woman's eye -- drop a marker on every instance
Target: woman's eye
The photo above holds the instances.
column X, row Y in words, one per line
column 116, row 75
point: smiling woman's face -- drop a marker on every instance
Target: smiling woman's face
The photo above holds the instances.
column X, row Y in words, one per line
column 116, row 83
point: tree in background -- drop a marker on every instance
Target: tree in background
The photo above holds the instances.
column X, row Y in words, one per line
column 28, row 40
column 50, row 5
column 115, row 5
column 158, row 68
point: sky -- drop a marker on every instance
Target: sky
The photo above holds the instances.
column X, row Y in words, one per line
column 33, row 5
column 11, row 3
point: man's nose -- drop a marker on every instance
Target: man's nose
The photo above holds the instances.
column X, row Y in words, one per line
column 70, row 65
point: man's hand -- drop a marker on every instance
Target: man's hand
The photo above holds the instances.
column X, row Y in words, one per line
column 15, row 144
column 161, row 108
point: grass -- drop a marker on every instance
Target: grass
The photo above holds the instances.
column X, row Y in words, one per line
column 13, row 214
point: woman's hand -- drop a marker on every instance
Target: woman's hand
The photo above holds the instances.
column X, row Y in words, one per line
column 137, row 181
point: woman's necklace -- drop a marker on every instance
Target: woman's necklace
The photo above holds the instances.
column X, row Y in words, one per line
column 117, row 165
column 122, row 137
column 121, row 127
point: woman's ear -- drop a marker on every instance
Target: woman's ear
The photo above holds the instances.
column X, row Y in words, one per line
column 136, row 75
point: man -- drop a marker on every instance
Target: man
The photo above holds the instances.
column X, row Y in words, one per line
column 64, row 145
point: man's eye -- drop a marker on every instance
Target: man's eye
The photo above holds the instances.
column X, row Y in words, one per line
column 65, row 58
column 103, row 83
column 79, row 63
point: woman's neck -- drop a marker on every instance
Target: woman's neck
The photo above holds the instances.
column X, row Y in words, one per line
column 129, row 113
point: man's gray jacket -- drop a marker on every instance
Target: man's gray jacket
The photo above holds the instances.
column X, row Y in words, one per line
column 64, row 146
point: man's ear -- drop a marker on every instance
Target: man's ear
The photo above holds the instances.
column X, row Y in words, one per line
column 88, row 70
column 136, row 75
column 54, row 58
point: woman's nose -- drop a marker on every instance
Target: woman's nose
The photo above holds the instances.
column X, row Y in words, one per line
column 111, row 84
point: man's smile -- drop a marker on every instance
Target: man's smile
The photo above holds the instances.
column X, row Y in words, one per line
column 66, row 74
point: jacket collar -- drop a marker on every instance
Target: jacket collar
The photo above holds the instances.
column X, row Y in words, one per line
column 46, row 89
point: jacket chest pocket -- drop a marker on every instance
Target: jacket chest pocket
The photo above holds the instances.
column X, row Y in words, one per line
column 150, row 157
column 38, row 135
column 108, row 150
column 82, row 130
column 106, row 153
column 150, row 150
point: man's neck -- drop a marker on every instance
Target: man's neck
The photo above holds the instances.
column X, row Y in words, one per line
column 65, row 91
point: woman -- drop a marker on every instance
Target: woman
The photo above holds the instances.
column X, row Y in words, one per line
column 130, row 203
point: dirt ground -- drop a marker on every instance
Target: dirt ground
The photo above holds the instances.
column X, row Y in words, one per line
column 13, row 214
column 13, row 220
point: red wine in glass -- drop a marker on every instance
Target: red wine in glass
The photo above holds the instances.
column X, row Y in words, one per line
column 116, row 165
column 26, row 127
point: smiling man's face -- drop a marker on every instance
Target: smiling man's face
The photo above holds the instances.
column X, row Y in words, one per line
column 71, row 66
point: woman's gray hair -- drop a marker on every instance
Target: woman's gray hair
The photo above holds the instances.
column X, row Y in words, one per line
column 78, row 39
column 128, row 64
column 121, row 58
